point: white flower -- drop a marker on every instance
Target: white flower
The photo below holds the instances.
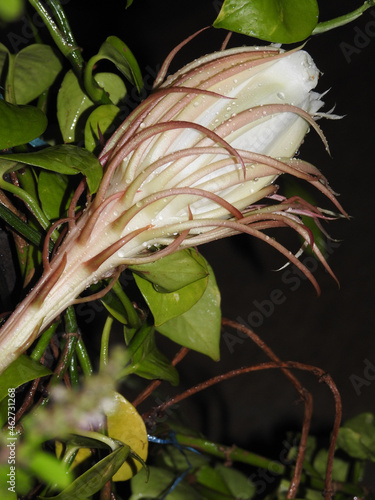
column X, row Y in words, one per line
column 188, row 166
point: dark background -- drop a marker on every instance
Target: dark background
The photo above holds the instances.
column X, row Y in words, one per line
column 334, row 331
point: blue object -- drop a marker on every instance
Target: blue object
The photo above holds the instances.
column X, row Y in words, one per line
column 173, row 441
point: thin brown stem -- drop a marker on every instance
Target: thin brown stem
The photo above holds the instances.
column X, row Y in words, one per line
column 305, row 396
column 323, row 377
column 155, row 383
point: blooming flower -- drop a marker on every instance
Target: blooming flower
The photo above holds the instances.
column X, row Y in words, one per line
column 188, row 166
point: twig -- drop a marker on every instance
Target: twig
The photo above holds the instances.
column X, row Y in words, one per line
column 304, row 395
column 151, row 387
column 323, row 377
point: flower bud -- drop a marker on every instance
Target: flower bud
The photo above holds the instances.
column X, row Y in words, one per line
column 188, row 166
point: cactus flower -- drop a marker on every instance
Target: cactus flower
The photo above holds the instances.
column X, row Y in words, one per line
column 190, row 165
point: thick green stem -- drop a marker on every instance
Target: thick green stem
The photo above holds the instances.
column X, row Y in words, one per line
column 43, row 342
column 83, row 358
column 21, row 227
column 94, row 91
column 64, row 43
column 31, row 204
column 132, row 316
column 342, row 20
column 230, row 453
column 105, row 343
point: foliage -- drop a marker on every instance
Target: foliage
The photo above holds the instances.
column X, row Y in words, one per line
column 49, row 148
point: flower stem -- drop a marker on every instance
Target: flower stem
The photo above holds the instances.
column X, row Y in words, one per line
column 342, row 20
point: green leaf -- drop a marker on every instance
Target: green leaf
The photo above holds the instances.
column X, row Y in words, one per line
column 93, row 480
column 35, row 69
column 174, row 271
column 199, row 327
column 173, row 458
column 159, row 482
column 48, row 468
column 22, row 370
column 100, row 119
column 11, row 10
column 65, row 159
column 5, row 494
column 238, row 484
column 73, row 103
column 53, row 193
column 116, row 51
column 210, row 478
column 165, row 306
column 20, row 124
column 113, row 85
column 340, row 467
column 357, row 437
column 78, row 441
column 280, row 21
column 114, row 306
column 148, row 362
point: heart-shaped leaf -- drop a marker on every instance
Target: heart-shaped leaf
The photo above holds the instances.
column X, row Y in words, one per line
column 165, row 306
column 73, row 103
column 53, row 193
column 35, row 69
column 20, row 124
column 279, row 21
column 174, row 271
column 199, row 327
column 101, row 120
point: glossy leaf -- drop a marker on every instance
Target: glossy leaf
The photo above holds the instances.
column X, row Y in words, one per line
column 116, row 51
column 159, row 482
column 357, row 437
column 22, row 370
column 125, row 424
column 279, row 21
column 64, row 159
column 53, row 193
column 20, row 124
column 199, row 327
column 73, row 103
column 165, row 306
column 35, row 69
column 174, row 271
column 102, row 118
column 93, row 480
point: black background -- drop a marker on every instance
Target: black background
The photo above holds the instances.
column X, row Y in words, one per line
column 335, row 331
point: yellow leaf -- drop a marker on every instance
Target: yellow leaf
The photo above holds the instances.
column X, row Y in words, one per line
column 125, row 424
